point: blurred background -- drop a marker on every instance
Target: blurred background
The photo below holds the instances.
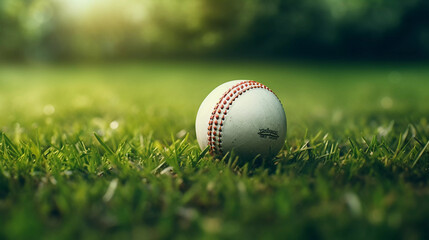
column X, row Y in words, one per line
column 94, row 30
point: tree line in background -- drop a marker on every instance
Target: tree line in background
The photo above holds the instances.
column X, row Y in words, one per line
column 79, row 29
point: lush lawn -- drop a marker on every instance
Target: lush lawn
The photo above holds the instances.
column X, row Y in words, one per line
column 109, row 151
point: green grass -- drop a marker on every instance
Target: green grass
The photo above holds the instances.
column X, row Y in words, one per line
column 109, row 151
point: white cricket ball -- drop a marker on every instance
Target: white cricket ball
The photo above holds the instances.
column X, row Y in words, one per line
column 242, row 116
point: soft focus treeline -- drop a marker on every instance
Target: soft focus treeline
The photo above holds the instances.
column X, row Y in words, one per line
column 107, row 29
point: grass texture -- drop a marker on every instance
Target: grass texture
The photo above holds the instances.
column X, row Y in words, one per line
column 109, row 151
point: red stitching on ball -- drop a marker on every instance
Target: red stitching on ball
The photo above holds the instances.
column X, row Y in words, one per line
column 215, row 132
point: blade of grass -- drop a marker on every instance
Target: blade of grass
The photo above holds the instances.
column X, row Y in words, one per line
column 420, row 154
column 103, row 144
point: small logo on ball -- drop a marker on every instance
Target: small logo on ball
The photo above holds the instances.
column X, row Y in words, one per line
column 268, row 133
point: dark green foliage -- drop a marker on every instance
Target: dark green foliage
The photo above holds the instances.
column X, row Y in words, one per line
column 76, row 30
column 110, row 152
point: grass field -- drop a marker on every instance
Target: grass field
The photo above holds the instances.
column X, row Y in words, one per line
column 109, row 151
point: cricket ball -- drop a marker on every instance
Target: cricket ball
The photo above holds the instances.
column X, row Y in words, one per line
column 244, row 117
